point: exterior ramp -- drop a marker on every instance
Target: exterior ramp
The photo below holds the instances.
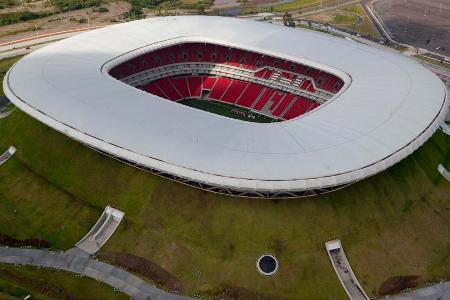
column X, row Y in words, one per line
column 7, row 155
column 102, row 230
column 444, row 172
column 344, row 271
column 445, row 128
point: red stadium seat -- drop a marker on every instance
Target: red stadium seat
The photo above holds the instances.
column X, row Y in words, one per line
column 154, row 89
column 268, row 93
column 208, row 82
column 181, row 86
column 250, row 94
column 283, row 105
column 219, row 88
column 235, row 90
column 299, row 107
column 238, row 92
column 168, row 89
column 276, row 100
column 195, row 86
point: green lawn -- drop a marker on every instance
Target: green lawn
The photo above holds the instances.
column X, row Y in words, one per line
column 16, row 282
column 226, row 110
column 395, row 223
column 433, row 61
column 366, row 27
column 296, row 4
column 345, row 19
column 5, row 64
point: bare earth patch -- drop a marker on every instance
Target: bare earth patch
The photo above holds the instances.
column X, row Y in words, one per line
column 6, row 240
column 144, row 268
column 64, row 21
column 397, row 284
column 239, row 293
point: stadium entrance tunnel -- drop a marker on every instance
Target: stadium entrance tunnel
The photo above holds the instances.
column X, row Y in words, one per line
column 231, row 82
column 267, row 264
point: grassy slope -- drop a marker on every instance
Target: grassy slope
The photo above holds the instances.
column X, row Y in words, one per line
column 433, row 61
column 344, row 19
column 395, row 223
column 5, row 64
column 295, row 4
column 366, row 27
column 55, row 189
column 347, row 21
column 81, row 287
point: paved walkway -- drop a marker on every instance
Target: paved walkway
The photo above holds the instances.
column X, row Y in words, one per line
column 344, row 271
column 79, row 262
column 27, row 45
column 434, row 292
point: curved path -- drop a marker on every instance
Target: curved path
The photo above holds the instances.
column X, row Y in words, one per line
column 359, row 19
column 5, row 114
column 77, row 261
column 440, row 291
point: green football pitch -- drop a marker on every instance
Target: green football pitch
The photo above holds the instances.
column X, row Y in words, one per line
column 228, row 110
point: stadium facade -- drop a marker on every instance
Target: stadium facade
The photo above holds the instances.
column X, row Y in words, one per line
column 341, row 111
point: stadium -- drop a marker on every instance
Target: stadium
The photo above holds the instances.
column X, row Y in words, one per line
column 233, row 106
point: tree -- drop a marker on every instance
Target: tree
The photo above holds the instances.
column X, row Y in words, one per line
column 288, row 20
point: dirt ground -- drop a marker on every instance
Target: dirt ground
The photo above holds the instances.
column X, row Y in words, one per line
column 144, row 268
column 417, row 21
column 329, row 17
column 29, row 5
column 64, row 21
column 238, row 293
column 397, row 284
column 219, row 4
column 6, row 240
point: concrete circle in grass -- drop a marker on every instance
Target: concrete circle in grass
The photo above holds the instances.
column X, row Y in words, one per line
column 267, row 264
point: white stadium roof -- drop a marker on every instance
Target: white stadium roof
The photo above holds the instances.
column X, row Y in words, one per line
column 389, row 107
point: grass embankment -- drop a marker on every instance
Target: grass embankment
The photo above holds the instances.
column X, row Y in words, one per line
column 303, row 6
column 346, row 17
column 295, row 4
column 395, row 223
column 441, row 63
column 366, row 27
column 16, row 282
column 5, row 64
